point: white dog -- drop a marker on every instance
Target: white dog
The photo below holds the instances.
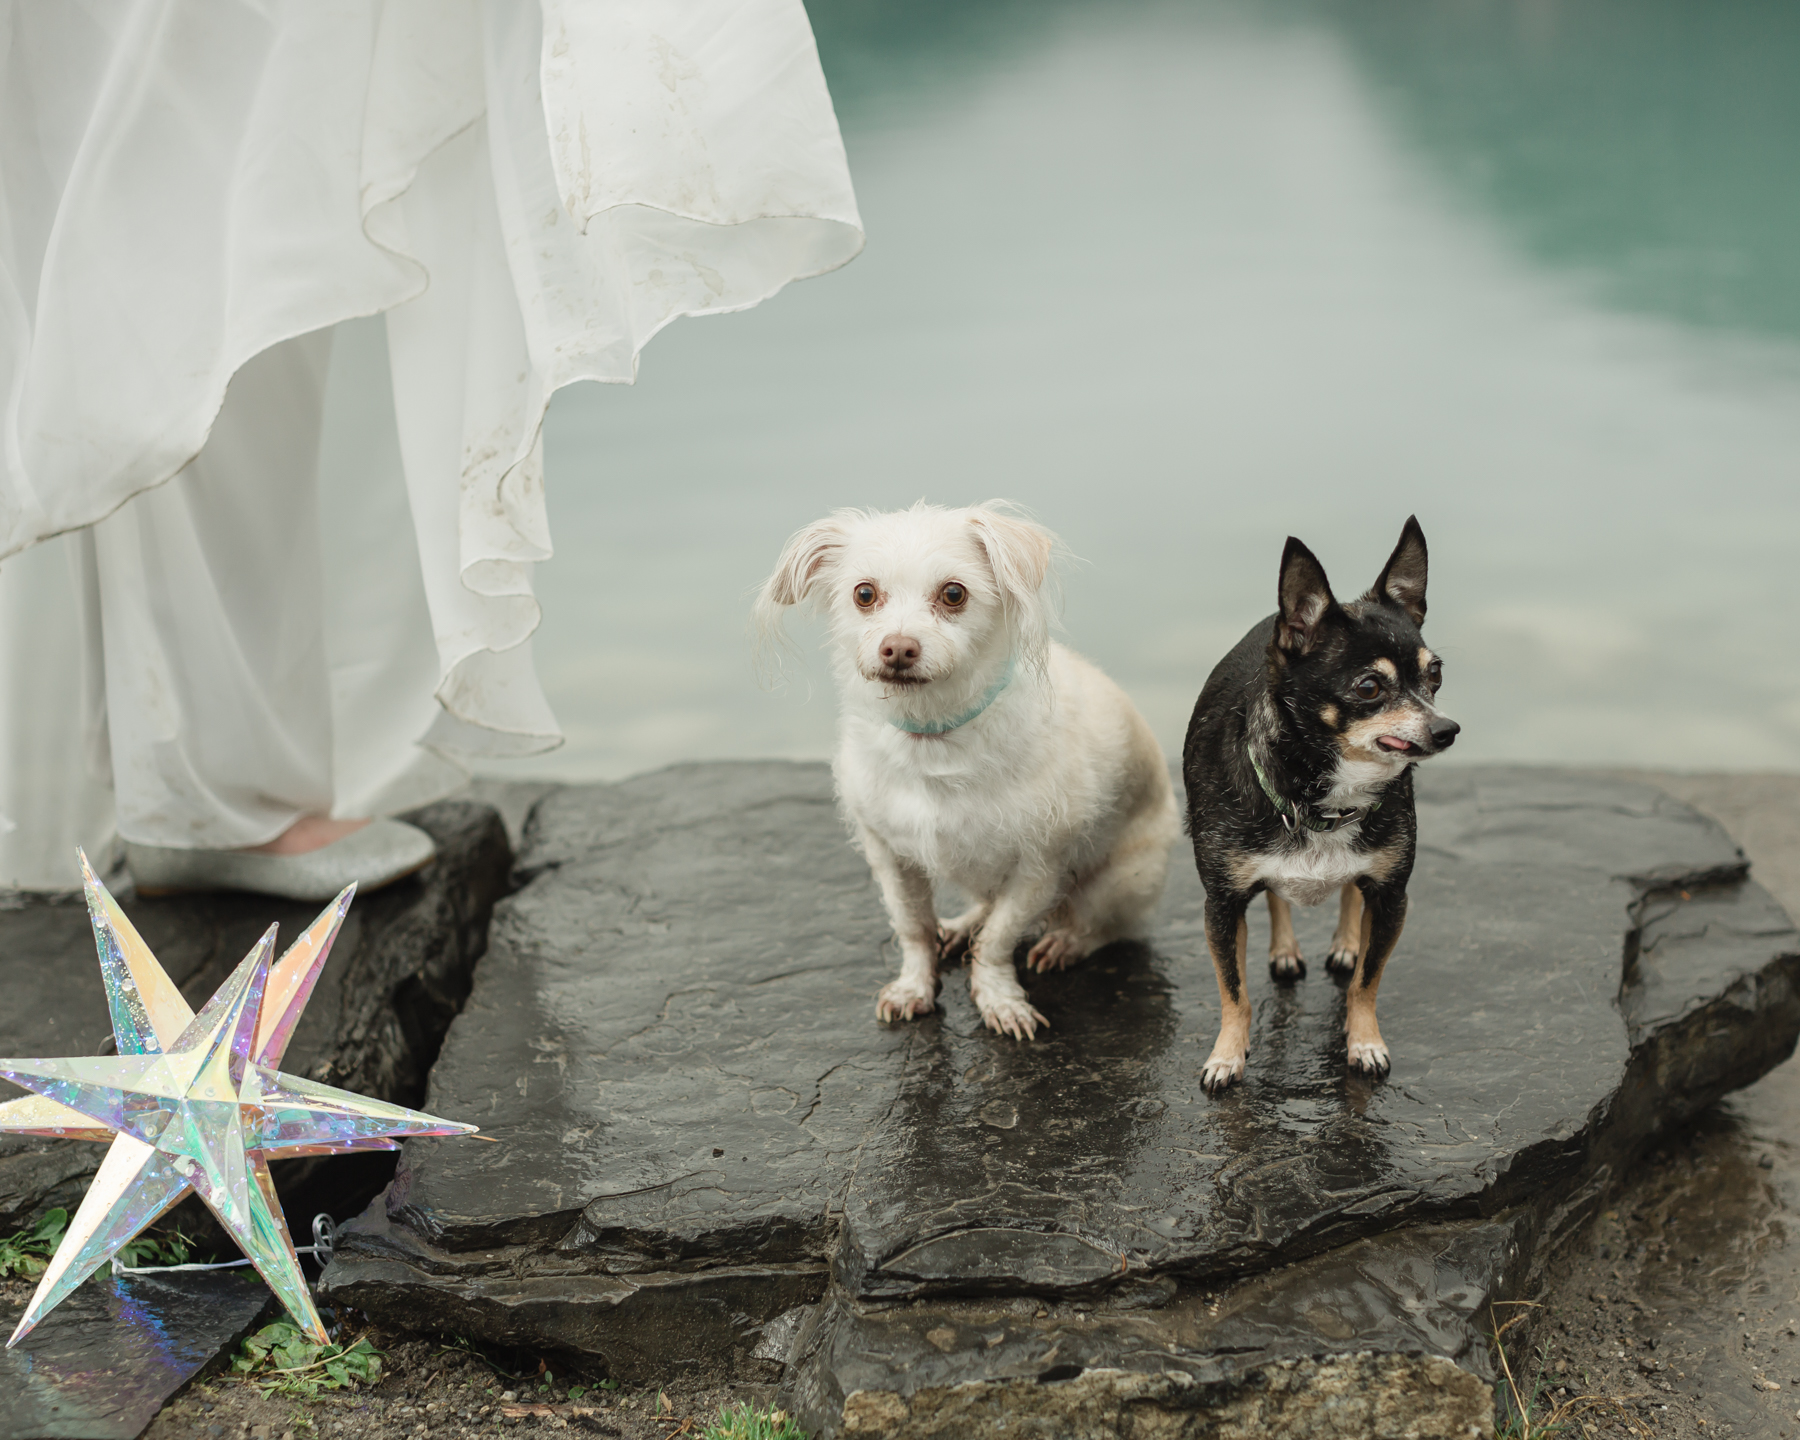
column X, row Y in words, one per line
column 975, row 751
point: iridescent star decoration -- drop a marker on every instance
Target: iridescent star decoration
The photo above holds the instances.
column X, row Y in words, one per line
column 195, row 1103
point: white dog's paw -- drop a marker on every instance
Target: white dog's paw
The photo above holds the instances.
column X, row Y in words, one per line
column 1007, row 1016
column 1057, row 951
column 905, row 999
column 1224, row 1068
column 1369, row 1057
column 1287, row 964
column 1341, row 960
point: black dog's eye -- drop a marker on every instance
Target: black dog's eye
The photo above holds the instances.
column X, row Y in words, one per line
column 864, row 595
column 1434, row 672
column 1367, row 688
column 953, row 594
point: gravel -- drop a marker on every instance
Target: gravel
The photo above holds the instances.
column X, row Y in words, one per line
column 430, row 1390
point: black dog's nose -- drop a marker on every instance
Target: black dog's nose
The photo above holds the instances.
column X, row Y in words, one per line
column 1444, row 732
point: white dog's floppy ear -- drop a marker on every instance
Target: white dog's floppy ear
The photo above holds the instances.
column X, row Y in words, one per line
column 805, row 556
column 1019, row 552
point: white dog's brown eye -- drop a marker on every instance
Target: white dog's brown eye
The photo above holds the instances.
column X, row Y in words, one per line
column 1367, row 688
column 954, row 594
column 864, row 595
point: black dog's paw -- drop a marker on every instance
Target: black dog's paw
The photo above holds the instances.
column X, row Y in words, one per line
column 1286, row 969
column 1220, row 1075
column 1341, row 961
column 1225, row 1066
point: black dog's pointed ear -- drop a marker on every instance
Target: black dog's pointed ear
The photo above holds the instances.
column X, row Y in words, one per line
column 1402, row 579
column 1306, row 599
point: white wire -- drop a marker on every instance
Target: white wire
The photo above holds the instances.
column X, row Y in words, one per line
column 119, row 1269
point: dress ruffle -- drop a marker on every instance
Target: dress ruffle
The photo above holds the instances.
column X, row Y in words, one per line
column 529, row 194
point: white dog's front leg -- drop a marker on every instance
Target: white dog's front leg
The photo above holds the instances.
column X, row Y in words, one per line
column 906, row 891
column 993, row 983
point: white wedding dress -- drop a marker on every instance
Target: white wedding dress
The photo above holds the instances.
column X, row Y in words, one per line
column 194, row 647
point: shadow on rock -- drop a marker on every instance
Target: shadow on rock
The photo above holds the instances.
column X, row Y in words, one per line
column 1002, row 1160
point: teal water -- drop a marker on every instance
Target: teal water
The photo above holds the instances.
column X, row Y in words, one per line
column 1183, row 279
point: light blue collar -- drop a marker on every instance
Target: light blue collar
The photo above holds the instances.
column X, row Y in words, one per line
column 944, row 727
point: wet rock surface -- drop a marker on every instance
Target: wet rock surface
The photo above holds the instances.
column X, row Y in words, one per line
column 1381, row 1337
column 1674, row 1312
column 711, row 1155
column 398, row 972
column 102, row 1363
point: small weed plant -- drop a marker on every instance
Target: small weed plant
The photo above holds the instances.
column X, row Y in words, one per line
column 1527, row 1414
column 1522, row 1414
column 28, row 1252
column 577, row 1391
column 174, row 1249
column 280, row 1359
column 746, row 1422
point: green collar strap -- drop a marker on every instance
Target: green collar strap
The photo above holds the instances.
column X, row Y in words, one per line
column 956, row 722
column 1296, row 813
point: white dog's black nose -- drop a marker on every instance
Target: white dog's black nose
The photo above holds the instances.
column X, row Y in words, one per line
column 899, row 652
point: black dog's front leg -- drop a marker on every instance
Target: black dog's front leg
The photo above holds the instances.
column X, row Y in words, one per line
column 1227, row 937
column 1384, row 917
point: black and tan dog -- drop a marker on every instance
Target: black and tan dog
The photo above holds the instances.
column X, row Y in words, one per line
column 1299, row 779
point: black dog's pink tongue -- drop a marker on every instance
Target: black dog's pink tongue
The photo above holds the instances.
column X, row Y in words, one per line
column 1393, row 742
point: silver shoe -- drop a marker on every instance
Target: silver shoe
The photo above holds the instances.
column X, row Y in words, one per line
column 380, row 853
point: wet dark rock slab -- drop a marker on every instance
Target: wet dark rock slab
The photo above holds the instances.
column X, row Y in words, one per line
column 397, row 975
column 101, row 1364
column 673, row 1038
column 1383, row 1336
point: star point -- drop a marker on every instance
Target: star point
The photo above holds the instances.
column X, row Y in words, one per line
column 195, row 1103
